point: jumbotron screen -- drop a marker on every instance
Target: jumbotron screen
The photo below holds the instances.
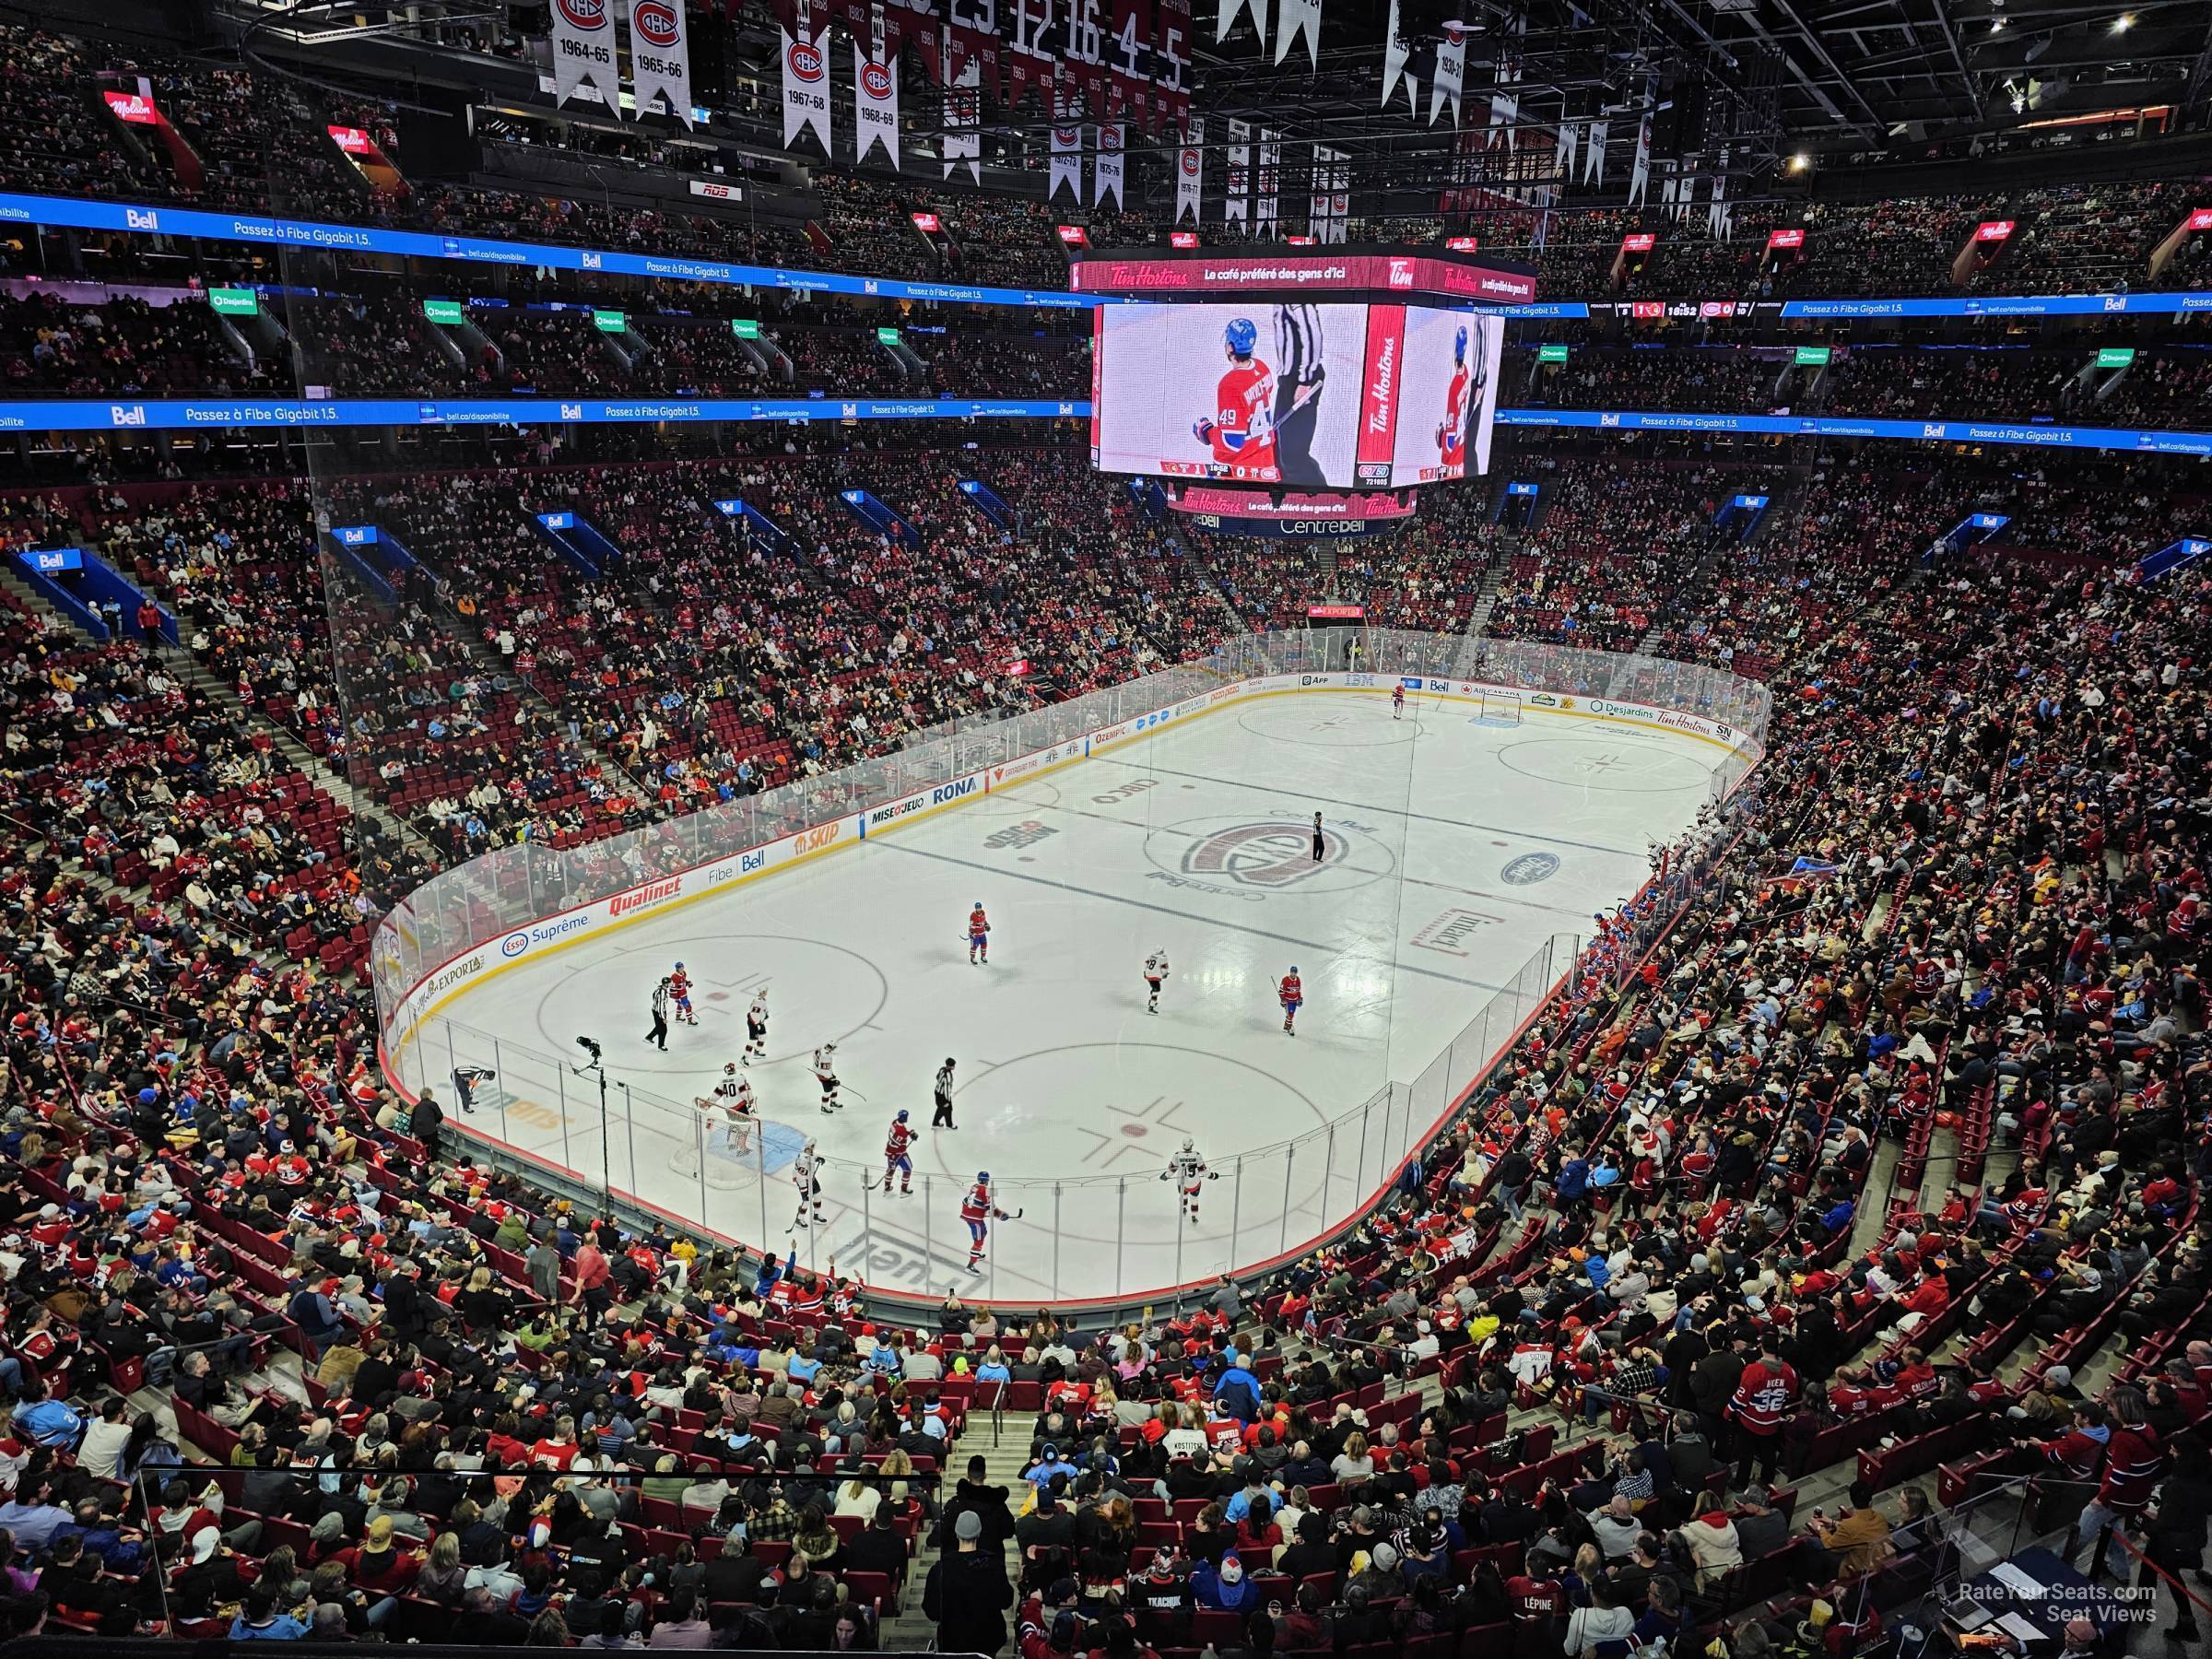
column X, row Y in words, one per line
column 1336, row 396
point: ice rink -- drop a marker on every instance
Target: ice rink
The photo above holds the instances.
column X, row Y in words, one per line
column 1454, row 848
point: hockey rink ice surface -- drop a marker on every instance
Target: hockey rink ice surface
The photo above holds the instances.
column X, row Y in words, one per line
column 1454, row 848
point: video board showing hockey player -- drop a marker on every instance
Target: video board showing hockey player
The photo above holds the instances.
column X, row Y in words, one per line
column 1257, row 394
column 1447, row 395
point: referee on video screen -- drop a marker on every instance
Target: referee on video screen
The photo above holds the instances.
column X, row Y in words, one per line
column 1299, row 374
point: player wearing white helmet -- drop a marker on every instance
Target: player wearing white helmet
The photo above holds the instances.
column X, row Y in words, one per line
column 1188, row 1171
column 825, row 1073
column 1156, row 969
column 733, row 1094
column 756, row 1027
column 806, row 1174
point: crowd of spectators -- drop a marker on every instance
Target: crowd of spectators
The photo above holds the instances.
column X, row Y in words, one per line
column 510, row 1421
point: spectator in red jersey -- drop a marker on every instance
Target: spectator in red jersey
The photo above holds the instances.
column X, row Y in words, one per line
column 1763, row 1394
column 2131, row 1462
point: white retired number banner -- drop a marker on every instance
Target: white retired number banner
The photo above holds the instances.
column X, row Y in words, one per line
column 660, row 56
column 1107, row 180
column 876, row 104
column 583, row 52
column 805, row 85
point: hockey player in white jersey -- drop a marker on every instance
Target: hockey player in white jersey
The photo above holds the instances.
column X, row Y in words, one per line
column 1188, row 1171
column 825, row 1073
column 1156, row 970
column 756, row 1027
column 805, row 1175
column 733, row 1094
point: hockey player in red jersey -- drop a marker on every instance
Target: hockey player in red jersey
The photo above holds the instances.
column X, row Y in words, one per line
column 978, row 1210
column 979, row 934
column 896, row 1157
column 1451, row 436
column 1292, row 994
column 1240, row 431
column 679, row 988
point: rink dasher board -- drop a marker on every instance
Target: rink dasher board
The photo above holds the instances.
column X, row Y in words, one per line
column 652, row 900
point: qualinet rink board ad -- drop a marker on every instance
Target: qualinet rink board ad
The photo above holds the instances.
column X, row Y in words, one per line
column 667, row 891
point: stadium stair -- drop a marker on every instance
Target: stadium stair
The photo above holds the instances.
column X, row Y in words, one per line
column 877, row 516
column 987, row 501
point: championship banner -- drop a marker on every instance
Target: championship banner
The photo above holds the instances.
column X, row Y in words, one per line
column 583, row 52
column 963, row 141
column 1562, row 161
column 889, row 24
column 1640, row 176
column 1236, row 206
column 1317, row 207
column 1594, row 152
column 1450, row 73
column 805, row 83
column 1107, row 174
column 1395, row 53
column 1265, row 216
column 1190, row 173
column 1225, row 19
column 875, row 107
column 1294, row 19
column 1719, row 221
column 1065, row 163
column 660, row 56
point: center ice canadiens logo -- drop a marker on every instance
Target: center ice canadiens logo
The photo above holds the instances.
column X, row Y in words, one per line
column 1530, row 868
column 1262, row 856
column 656, row 22
column 806, row 61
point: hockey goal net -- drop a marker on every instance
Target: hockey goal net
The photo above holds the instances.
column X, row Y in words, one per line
column 1501, row 708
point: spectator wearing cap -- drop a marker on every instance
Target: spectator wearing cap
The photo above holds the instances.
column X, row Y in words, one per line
column 967, row 1593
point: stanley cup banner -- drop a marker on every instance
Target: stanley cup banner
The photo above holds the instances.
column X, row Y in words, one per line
column 583, row 52
column 1108, row 173
column 1236, row 206
column 1293, row 19
column 1594, row 152
column 962, row 144
column 660, row 56
column 1190, row 172
column 875, row 107
column 1065, row 166
column 805, row 80
column 1317, row 209
column 1451, row 73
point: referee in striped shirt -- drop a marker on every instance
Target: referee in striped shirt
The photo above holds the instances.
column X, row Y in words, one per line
column 659, row 1034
